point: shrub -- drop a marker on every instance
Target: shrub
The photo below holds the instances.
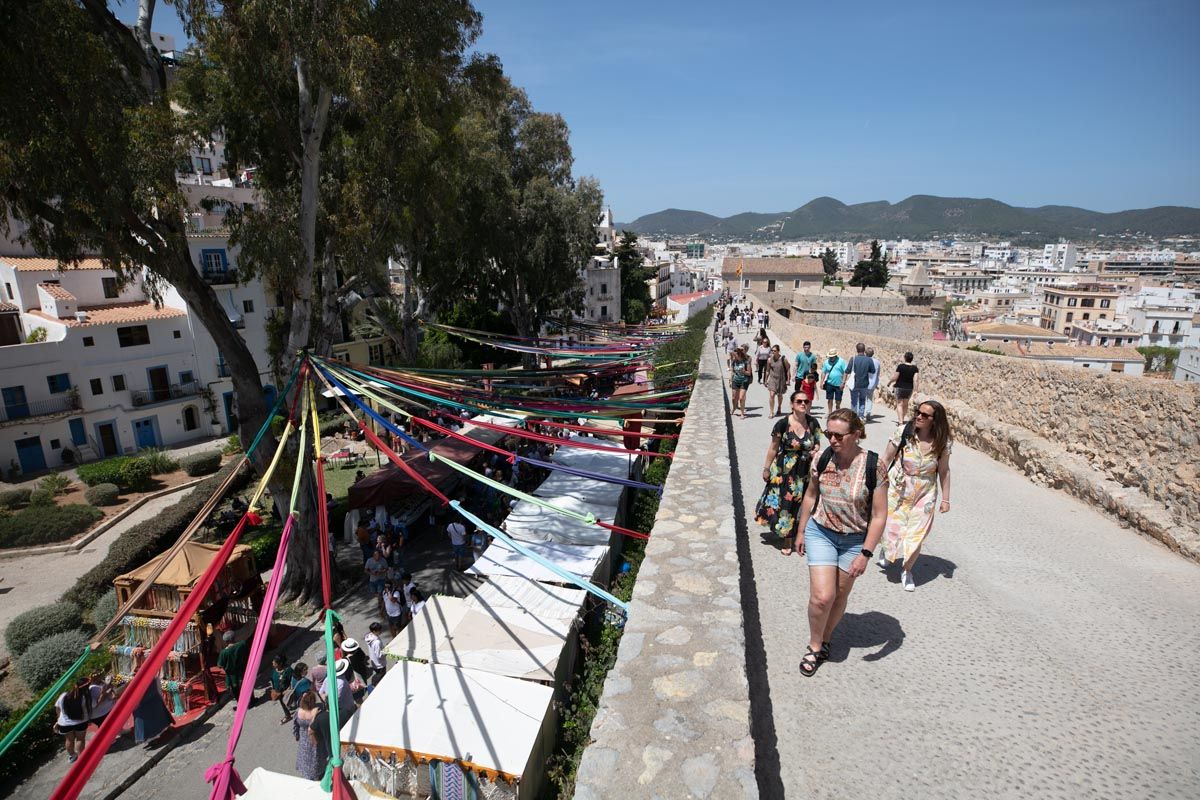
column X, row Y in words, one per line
column 160, row 460
column 105, row 607
column 35, row 525
column 55, row 484
column 126, row 472
column 37, row 740
column 46, row 660
column 333, row 423
column 135, row 474
column 201, row 463
column 41, row 498
column 102, row 494
column 232, row 445
column 38, row 623
column 14, row 498
column 141, row 542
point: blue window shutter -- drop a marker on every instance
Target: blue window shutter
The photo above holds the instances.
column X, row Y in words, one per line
column 224, row 260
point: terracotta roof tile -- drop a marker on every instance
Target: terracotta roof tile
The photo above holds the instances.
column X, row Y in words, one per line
column 118, row 314
column 8, row 308
column 56, row 291
column 29, row 264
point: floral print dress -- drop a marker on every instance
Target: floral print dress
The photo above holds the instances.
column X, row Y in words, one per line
column 912, row 498
column 779, row 506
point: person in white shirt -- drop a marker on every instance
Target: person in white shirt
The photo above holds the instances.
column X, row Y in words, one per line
column 395, row 607
column 74, row 711
column 374, row 649
column 458, row 540
column 416, row 602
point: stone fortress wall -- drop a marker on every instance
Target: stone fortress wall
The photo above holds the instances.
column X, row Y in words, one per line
column 1130, row 445
column 872, row 312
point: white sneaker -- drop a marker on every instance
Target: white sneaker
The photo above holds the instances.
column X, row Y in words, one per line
column 882, row 561
column 906, row 579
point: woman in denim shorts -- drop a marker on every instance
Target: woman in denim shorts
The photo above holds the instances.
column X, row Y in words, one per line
column 842, row 524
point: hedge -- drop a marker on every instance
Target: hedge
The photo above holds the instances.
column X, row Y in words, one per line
column 37, row 623
column 102, row 494
column 41, row 498
column 14, row 498
column 127, row 472
column 139, row 544
column 36, row 525
column 46, row 660
column 201, row 463
column 38, row 740
column 104, row 609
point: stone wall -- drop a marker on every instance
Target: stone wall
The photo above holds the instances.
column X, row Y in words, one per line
column 907, row 327
column 674, row 717
column 1127, row 444
column 872, row 312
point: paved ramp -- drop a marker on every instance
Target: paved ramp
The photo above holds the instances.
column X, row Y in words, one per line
column 1046, row 652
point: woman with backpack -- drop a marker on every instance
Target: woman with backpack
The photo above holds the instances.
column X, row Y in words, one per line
column 921, row 454
column 794, row 440
column 842, row 516
column 741, row 374
column 74, row 714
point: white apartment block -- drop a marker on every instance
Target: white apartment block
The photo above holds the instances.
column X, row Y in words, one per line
column 602, row 291
column 1187, row 366
column 1061, row 256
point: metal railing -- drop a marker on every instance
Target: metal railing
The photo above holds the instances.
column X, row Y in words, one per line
column 222, row 369
column 68, row 401
column 176, row 391
column 218, row 277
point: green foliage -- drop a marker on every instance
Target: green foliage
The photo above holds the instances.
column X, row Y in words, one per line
column 38, row 740
column 437, row 351
column 36, row 525
column 678, row 358
column 265, row 545
column 37, row 623
column 201, row 463
column 139, row 544
column 46, row 660
column 233, row 445
column 160, row 460
column 829, row 262
column 14, row 498
column 980, row 349
column 36, row 335
column 40, row 498
column 130, row 473
column 1160, row 359
column 635, row 292
column 56, row 483
column 873, row 271
column 103, row 494
column 104, row 609
column 331, row 422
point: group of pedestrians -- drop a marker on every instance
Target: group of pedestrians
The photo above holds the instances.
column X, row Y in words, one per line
column 840, row 505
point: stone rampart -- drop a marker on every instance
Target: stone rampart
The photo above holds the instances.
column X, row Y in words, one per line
column 674, row 717
column 872, row 312
column 1130, row 445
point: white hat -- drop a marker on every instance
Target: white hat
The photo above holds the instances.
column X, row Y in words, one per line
column 342, row 667
column 349, row 645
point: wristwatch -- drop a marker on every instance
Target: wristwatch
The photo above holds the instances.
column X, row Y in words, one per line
column 867, row 552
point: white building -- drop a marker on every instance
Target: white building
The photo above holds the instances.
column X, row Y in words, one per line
column 1061, row 256
column 1187, row 366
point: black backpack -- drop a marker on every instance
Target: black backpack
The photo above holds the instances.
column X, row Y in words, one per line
column 905, row 435
column 869, row 480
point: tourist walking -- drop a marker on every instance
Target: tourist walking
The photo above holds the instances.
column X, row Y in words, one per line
column 778, row 380
column 281, row 683
column 833, row 374
column 809, row 385
column 874, row 384
column 310, row 743
column 860, row 369
column 842, row 518
column 740, row 376
column 762, row 354
column 806, row 362
column 794, row 440
column 921, row 453
column 457, row 532
column 905, row 383
column 74, row 708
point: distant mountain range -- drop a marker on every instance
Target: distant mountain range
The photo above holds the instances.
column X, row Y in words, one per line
column 919, row 217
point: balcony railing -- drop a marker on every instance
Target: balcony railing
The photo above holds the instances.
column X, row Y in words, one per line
column 222, row 369
column 176, row 391
column 67, row 401
column 218, row 277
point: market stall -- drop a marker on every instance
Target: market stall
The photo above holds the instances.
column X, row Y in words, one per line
column 591, row 562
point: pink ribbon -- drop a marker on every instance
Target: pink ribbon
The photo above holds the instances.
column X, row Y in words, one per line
column 227, row 784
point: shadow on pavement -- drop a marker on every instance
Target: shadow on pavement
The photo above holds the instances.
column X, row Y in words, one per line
column 928, row 569
column 867, row 630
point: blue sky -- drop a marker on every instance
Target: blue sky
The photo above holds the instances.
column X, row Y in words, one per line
column 726, row 107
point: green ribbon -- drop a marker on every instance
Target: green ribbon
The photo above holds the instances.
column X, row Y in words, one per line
column 37, row 708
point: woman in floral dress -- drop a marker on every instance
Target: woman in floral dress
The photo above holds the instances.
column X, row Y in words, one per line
column 923, row 463
column 794, row 440
column 311, row 752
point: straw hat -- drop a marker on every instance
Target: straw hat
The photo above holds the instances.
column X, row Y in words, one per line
column 832, row 353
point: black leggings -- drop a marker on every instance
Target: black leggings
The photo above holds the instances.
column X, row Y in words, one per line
column 762, row 369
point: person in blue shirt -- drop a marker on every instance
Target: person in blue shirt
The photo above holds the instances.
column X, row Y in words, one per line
column 806, row 362
column 833, row 375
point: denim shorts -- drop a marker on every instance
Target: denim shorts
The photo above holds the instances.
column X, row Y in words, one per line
column 375, row 587
column 827, row 548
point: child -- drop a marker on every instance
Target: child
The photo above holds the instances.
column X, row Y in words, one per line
column 809, row 385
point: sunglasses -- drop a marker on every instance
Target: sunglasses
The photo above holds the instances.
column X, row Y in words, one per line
column 924, row 415
column 801, row 401
column 836, row 436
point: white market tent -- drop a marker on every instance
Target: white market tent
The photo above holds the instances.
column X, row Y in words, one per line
column 262, row 784
column 530, row 522
column 498, row 730
column 533, row 597
column 590, row 562
column 496, row 639
column 601, row 498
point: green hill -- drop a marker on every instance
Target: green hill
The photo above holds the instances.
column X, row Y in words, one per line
column 920, row 217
